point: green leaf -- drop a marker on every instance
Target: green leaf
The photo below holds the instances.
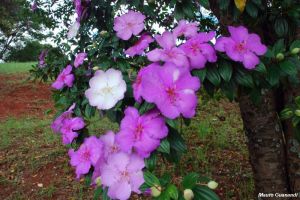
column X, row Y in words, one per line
column 279, row 47
column 225, row 70
column 223, row 4
column 205, row 4
column 213, row 76
column 151, row 162
column 204, row 193
column 172, row 191
column 151, row 179
column 244, row 79
column 146, row 107
column 144, row 187
column 97, row 193
column 104, row 195
column 176, row 141
column 251, row 9
column 172, row 123
column 164, row 146
column 190, row 180
column 297, row 101
column 281, row 27
column 261, row 68
column 295, row 44
column 273, row 75
column 288, row 67
column 201, row 74
column 286, row 113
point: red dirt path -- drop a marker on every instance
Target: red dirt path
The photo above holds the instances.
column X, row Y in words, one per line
column 19, row 97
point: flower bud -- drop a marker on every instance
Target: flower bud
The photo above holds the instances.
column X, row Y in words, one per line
column 188, row 194
column 98, row 181
column 280, row 56
column 95, row 68
column 155, row 190
column 212, row 185
column 297, row 113
column 295, row 51
column 103, row 33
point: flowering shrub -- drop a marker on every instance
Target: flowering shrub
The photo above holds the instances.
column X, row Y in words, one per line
column 149, row 101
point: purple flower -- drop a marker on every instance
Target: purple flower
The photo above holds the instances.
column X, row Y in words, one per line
column 80, row 8
column 123, row 174
column 86, row 156
column 137, row 85
column 141, row 134
column 69, row 128
column 172, row 89
column 169, row 53
column 139, row 47
column 42, row 56
column 242, row 46
column 199, row 51
column 131, row 23
column 73, row 30
column 110, row 145
column 34, row 6
column 58, row 122
column 185, row 28
column 79, row 59
column 64, row 78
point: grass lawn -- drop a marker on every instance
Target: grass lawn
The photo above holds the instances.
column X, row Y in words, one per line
column 15, row 67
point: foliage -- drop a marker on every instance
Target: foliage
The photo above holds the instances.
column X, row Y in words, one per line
column 279, row 66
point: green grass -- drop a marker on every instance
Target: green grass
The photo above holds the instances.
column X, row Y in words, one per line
column 15, row 67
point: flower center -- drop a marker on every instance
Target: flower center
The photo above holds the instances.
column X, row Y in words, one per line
column 125, row 175
column 114, row 149
column 171, row 92
column 240, row 47
column 138, row 131
column 86, row 156
column 106, row 90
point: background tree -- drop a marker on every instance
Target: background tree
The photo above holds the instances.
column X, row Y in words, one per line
column 18, row 22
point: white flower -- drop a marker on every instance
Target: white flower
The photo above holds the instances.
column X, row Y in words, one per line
column 73, row 29
column 106, row 89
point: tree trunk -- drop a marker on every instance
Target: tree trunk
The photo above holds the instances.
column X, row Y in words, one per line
column 265, row 143
column 293, row 158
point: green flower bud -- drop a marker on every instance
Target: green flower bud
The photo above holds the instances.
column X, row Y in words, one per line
column 297, row 113
column 155, row 191
column 98, row 181
column 188, row 194
column 212, row 185
column 295, row 51
column 103, row 33
column 280, row 56
column 95, row 68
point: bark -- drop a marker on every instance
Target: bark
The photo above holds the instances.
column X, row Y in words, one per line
column 265, row 143
column 293, row 158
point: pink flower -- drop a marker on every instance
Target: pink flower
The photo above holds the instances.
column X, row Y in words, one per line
column 242, row 46
column 79, row 59
column 110, row 145
column 123, row 174
column 86, row 156
column 141, row 134
column 73, row 30
column 169, row 53
column 131, row 23
column 42, row 56
column 58, row 122
column 34, row 6
column 199, row 51
column 140, row 46
column 185, row 28
column 69, row 128
column 137, row 85
column 172, row 89
column 64, row 78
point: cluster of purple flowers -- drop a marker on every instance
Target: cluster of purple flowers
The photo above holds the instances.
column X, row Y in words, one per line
column 117, row 160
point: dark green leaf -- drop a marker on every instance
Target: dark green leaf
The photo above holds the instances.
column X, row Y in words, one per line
column 151, row 162
column 288, row 67
column 204, row 193
column 279, row 47
column 251, row 9
column 261, row 68
column 273, row 75
column 295, row 44
column 245, row 79
column 213, row 76
column 150, row 179
column 281, row 27
column 164, row 146
column 201, row 74
column 190, row 180
column 146, row 107
column 172, row 191
column 225, row 70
